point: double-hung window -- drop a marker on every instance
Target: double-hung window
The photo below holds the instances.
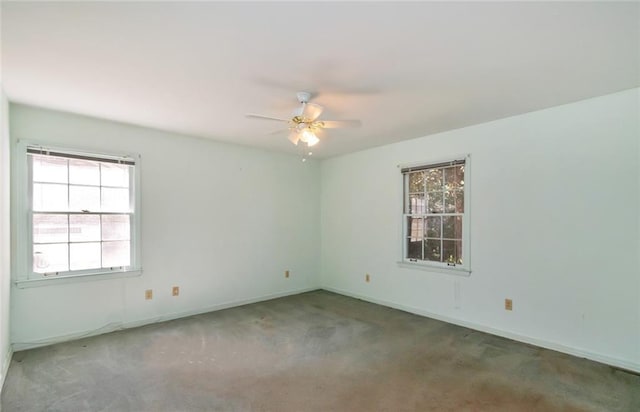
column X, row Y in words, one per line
column 80, row 214
column 435, row 216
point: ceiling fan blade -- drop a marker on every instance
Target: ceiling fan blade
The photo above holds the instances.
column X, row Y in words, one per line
column 337, row 124
column 294, row 137
column 259, row 116
column 279, row 131
column 311, row 111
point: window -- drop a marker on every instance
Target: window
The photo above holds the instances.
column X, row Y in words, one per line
column 80, row 214
column 435, row 216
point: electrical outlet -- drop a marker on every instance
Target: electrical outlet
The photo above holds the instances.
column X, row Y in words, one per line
column 286, row 274
column 367, row 278
column 175, row 291
column 148, row 294
column 508, row 304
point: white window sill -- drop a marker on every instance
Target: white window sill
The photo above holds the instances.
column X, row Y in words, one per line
column 457, row 271
column 60, row 280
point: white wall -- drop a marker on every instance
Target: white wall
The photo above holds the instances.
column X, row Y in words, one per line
column 5, row 249
column 554, row 226
column 221, row 221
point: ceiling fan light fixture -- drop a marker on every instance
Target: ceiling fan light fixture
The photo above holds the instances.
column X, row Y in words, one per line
column 304, row 124
column 309, row 138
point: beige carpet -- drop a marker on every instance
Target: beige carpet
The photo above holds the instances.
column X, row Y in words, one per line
column 312, row 352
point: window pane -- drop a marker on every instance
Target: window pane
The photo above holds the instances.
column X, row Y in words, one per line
column 439, row 212
column 84, row 228
column 454, row 177
column 84, row 198
column 434, row 179
column 452, row 251
column 115, row 254
column 49, row 169
column 435, row 202
column 50, row 258
column 454, row 201
column 433, row 226
column 50, row 228
column 432, row 250
column 84, row 172
column 415, row 228
column 50, row 197
column 84, row 255
column 115, row 200
column 452, row 227
column 414, row 249
column 115, row 227
column 115, row 174
column 417, row 204
column 416, row 182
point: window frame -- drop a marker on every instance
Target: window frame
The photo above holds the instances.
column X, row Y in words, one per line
column 463, row 269
column 23, row 218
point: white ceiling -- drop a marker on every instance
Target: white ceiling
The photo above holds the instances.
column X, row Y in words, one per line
column 406, row 70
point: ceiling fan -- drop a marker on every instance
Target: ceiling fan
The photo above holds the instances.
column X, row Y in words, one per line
column 304, row 125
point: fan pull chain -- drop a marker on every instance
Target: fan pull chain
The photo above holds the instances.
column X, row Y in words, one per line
column 304, row 151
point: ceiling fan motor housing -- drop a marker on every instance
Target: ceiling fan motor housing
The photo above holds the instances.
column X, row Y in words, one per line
column 303, row 97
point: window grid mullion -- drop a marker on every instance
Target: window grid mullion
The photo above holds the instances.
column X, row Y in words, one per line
column 442, row 186
column 101, row 241
column 80, row 184
column 424, row 211
column 405, row 206
column 424, row 231
column 31, row 251
column 71, row 212
column 100, row 182
column 442, row 234
column 68, row 220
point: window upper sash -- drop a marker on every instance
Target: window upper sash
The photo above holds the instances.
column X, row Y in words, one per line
column 432, row 166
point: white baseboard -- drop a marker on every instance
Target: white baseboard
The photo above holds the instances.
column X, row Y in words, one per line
column 6, row 361
column 220, row 306
column 112, row 327
column 581, row 353
column 612, row 361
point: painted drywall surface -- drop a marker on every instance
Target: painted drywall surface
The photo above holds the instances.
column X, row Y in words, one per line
column 5, row 245
column 223, row 222
column 5, row 276
column 554, row 226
